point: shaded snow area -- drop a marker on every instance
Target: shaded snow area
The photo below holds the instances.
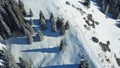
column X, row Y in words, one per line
column 78, row 38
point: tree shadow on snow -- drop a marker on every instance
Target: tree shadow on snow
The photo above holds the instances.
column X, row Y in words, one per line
column 20, row 40
column 48, row 31
column 44, row 50
column 118, row 25
column 63, row 66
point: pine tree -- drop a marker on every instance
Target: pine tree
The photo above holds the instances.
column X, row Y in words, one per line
column 21, row 5
column 31, row 22
column 118, row 17
column 67, row 26
column 87, row 3
column 62, row 29
column 40, row 35
column 9, row 58
column 62, row 46
column 1, row 38
column 59, row 22
column 84, row 64
column 41, row 15
column 105, row 11
column 43, row 24
column 24, row 63
column 7, row 29
column 53, row 26
column 31, row 13
column 29, row 37
column 30, row 28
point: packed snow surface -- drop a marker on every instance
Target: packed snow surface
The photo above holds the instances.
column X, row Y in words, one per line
column 78, row 41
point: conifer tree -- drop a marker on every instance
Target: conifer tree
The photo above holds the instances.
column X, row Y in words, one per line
column 40, row 35
column 31, row 13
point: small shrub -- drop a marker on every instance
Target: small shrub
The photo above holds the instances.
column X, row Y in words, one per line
column 97, row 23
column 68, row 3
column 67, row 26
column 94, row 39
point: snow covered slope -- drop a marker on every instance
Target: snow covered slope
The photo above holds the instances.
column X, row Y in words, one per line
column 78, row 39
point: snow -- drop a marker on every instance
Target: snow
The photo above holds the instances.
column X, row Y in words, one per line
column 78, row 41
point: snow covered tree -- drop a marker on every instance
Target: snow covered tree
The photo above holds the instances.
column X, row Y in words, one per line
column 41, row 15
column 84, row 64
column 9, row 59
column 21, row 5
column 62, row 46
column 30, row 28
column 24, row 63
column 6, row 28
column 29, row 37
column 53, row 26
column 40, row 35
column 87, row 3
column 31, row 13
column 59, row 22
column 62, row 29
column 116, row 14
column 67, row 26
column 31, row 22
column 43, row 24
column 118, row 17
column 105, row 11
column 1, row 38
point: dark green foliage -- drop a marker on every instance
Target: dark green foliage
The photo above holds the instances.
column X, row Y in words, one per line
column 41, row 15
column 84, row 64
column 9, row 59
column 67, row 26
column 94, row 39
column 52, row 20
column 29, row 28
column 29, row 37
column 62, row 29
column 40, row 35
column 21, row 5
column 59, row 22
column 43, row 24
column 62, row 46
column 24, row 63
column 68, row 3
column 87, row 3
column 31, row 13
column 31, row 22
column 106, row 9
column 105, row 47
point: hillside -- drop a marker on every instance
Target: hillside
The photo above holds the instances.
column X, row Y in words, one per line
column 92, row 36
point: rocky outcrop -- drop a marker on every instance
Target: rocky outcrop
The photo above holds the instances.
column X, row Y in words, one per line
column 111, row 6
column 11, row 19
